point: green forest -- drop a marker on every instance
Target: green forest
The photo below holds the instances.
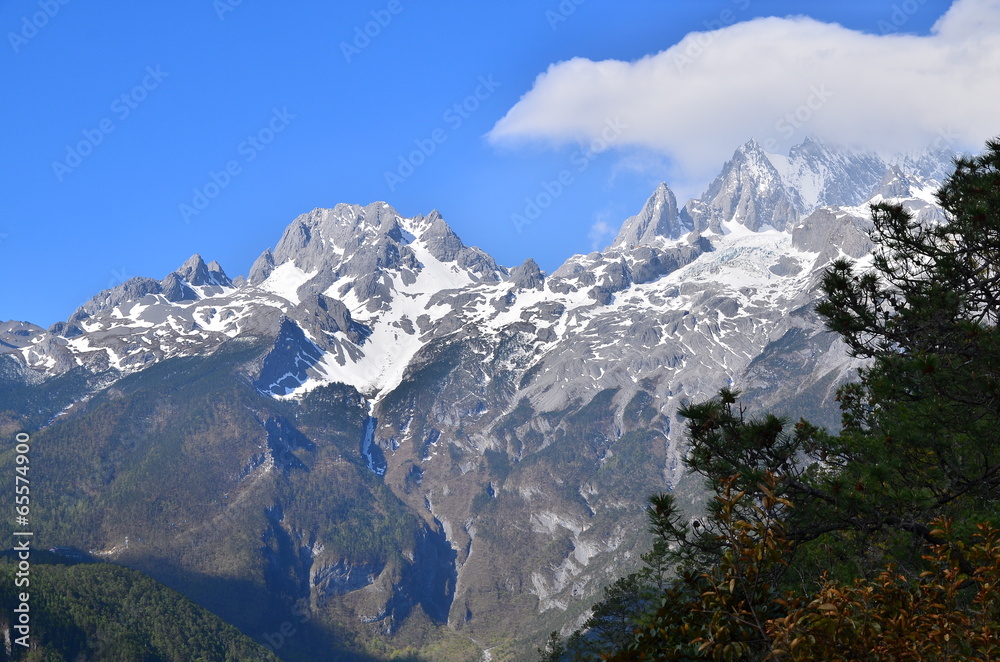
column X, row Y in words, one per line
column 106, row 613
column 878, row 542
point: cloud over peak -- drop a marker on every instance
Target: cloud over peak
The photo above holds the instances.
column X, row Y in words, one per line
column 779, row 80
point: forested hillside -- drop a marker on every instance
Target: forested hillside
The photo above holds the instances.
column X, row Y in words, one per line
column 106, row 613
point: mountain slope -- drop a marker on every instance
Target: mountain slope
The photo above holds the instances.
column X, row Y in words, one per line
column 420, row 443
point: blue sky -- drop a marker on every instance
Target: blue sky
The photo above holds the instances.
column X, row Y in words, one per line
column 119, row 116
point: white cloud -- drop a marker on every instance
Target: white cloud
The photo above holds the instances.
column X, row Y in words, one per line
column 601, row 232
column 778, row 80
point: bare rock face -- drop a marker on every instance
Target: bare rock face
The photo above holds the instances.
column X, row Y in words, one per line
column 441, row 240
column 15, row 335
column 262, row 268
column 131, row 290
column 194, row 271
column 175, row 289
column 829, row 232
column 528, row 276
column 658, row 219
column 324, row 317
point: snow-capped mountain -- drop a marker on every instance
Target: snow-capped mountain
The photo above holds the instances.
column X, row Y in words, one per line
column 522, row 416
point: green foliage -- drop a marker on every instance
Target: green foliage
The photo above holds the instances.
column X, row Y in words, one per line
column 107, row 613
column 553, row 650
column 640, row 409
column 28, row 406
column 927, row 318
column 920, row 427
column 733, row 609
column 943, row 614
column 610, row 624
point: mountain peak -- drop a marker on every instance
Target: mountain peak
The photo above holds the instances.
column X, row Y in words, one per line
column 197, row 273
column 262, row 268
column 749, row 191
column 314, row 238
column 752, row 154
column 750, row 147
column 811, row 148
column 658, row 220
column 441, row 240
column 528, row 276
column 194, row 270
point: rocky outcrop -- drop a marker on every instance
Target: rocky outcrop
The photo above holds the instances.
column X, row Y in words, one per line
column 657, row 221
